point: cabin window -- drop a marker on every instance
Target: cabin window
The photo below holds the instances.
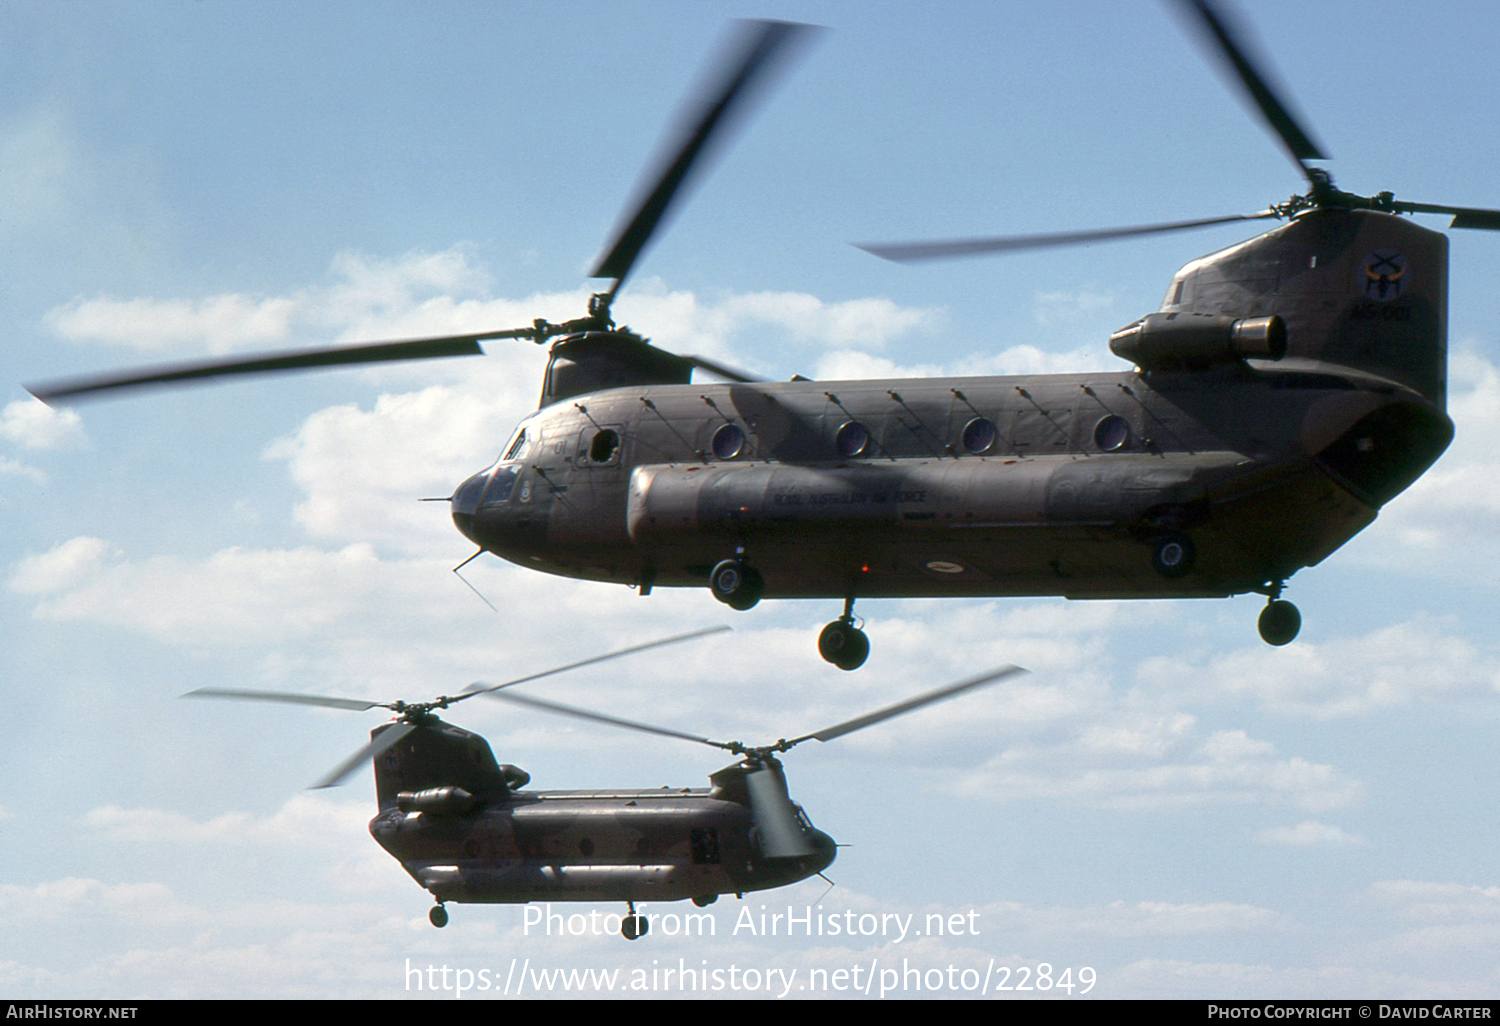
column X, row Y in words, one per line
column 851, row 439
column 705, row 844
column 728, row 441
column 604, row 446
column 1112, row 433
column 978, row 435
column 586, row 847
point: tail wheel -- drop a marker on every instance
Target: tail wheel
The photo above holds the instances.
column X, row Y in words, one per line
column 634, row 926
column 1279, row 622
column 438, row 916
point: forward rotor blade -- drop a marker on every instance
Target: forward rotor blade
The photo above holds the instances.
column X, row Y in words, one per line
column 760, row 43
column 869, row 719
column 1232, row 49
column 911, row 252
column 479, row 688
column 771, row 809
column 387, row 739
column 268, row 363
column 585, row 714
column 722, row 370
column 284, row 696
column 1463, row 217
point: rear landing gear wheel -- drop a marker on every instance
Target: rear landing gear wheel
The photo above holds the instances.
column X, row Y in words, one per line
column 1173, row 556
column 736, row 583
column 634, row 925
column 843, row 644
column 438, row 916
column 1279, row 622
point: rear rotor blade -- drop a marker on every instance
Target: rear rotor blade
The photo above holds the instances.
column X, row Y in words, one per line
column 387, row 740
column 267, row 363
column 759, row 44
column 1232, row 49
column 284, row 696
column 1463, row 217
column 869, row 719
column 771, row 808
column 912, row 252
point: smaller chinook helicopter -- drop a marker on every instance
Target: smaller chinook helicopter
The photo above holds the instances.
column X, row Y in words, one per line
column 459, row 822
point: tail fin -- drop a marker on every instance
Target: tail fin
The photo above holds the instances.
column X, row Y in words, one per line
column 1357, row 288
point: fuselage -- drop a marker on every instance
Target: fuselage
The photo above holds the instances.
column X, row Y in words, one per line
column 1026, row 485
column 661, row 845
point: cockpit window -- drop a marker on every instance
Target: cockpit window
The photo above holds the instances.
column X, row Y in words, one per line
column 502, row 483
column 517, row 448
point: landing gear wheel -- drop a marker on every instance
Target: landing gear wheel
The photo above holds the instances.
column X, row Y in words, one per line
column 1173, row 556
column 844, row 645
column 736, row 583
column 704, row 900
column 634, row 926
column 438, row 916
column 1279, row 622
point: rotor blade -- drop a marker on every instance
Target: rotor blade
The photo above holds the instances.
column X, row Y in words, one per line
column 585, row 714
column 386, row 740
column 265, row 363
column 479, row 688
column 1235, row 53
column 283, row 696
column 759, row 44
column 781, row 834
column 1463, row 217
column 911, row 252
column 869, row 719
column 723, row 371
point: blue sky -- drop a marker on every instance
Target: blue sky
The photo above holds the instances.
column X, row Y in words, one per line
column 1163, row 799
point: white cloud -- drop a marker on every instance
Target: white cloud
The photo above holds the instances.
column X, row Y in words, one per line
column 1306, row 834
column 1390, row 667
column 35, row 425
column 66, row 566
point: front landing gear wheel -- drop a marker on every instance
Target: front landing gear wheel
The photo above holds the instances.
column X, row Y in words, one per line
column 844, row 645
column 634, row 925
column 438, row 916
column 1173, row 556
column 705, row 900
column 1279, row 622
column 736, row 583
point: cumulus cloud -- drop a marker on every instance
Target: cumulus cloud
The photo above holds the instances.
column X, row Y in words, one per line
column 35, row 425
column 1390, row 667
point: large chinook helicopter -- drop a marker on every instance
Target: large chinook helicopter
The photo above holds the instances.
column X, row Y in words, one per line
column 1287, row 388
column 461, row 824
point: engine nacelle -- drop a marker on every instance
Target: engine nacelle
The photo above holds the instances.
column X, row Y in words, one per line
column 1187, row 341
column 438, row 801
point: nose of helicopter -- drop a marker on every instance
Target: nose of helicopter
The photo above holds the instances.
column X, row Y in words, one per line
column 465, row 502
column 824, row 850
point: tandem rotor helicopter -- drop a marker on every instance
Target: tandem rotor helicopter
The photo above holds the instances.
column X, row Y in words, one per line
column 461, row 825
column 1287, row 388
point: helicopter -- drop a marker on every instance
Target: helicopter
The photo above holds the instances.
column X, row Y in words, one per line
column 461, row 824
column 1287, row 388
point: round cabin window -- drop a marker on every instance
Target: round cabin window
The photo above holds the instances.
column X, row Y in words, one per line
column 728, row 442
column 851, row 439
column 978, row 436
column 1112, row 433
